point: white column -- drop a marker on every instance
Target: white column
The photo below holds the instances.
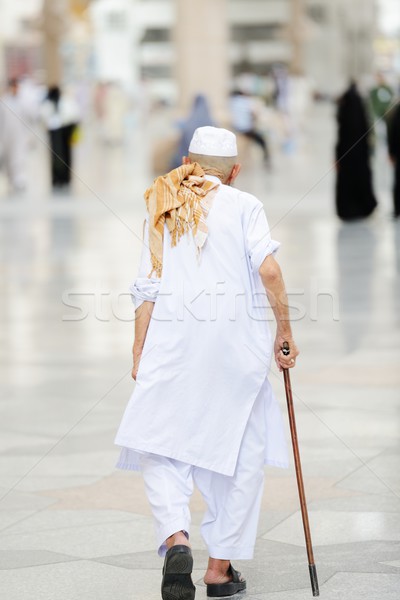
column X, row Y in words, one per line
column 202, row 62
column 2, row 62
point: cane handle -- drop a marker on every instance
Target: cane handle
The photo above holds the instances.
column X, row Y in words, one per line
column 285, row 349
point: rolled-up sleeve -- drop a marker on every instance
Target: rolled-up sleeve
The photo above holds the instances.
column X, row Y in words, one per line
column 259, row 244
column 144, row 288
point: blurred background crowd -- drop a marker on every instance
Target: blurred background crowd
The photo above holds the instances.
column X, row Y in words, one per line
column 145, row 73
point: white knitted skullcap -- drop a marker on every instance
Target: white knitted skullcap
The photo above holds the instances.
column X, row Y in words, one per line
column 213, row 141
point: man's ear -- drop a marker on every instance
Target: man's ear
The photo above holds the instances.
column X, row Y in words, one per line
column 234, row 173
column 186, row 160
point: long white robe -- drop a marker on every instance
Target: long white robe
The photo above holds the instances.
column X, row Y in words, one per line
column 208, row 347
column 13, row 139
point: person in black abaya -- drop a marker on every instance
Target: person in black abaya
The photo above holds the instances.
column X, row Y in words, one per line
column 394, row 151
column 355, row 196
column 60, row 115
column 200, row 116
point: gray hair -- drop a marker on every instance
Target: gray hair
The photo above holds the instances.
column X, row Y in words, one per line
column 220, row 166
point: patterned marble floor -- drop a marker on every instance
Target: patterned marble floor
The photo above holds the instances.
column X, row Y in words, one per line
column 71, row 527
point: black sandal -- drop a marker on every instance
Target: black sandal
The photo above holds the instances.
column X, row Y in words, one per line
column 218, row 590
column 177, row 581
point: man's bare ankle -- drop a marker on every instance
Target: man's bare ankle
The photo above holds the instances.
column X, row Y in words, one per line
column 217, row 571
column 177, row 538
column 219, row 566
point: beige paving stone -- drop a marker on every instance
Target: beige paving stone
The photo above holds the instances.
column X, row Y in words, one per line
column 74, row 580
column 338, row 527
column 87, row 541
column 345, row 586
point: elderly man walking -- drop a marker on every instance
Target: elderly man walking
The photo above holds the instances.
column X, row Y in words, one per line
column 203, row 411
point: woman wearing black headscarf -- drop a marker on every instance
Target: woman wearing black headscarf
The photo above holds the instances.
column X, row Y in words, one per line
column 394, row 152
column 355, row 196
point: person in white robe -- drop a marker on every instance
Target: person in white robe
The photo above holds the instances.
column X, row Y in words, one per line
column 13, row 136
column 203, row 411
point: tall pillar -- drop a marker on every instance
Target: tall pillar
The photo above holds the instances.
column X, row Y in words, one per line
column 55, row 15
column 202, row 60
column 358, row 24
column 2, row 62
column 297, row 36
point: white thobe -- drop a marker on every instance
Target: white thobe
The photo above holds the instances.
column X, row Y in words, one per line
column 208, row 347
column 13, row 139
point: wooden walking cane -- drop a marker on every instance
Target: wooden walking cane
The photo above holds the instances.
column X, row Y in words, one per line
column 303, row 504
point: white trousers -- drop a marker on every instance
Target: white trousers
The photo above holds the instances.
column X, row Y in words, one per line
column 229, row 527
column 15, row 162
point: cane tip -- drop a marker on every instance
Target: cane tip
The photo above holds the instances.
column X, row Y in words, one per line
column 314, row 580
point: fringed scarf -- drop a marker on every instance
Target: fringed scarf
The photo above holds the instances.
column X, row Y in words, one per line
column 182, row 199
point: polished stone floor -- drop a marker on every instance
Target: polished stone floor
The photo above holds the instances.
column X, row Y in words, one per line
column 71, row 526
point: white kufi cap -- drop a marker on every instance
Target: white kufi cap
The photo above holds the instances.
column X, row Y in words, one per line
column 213, row 141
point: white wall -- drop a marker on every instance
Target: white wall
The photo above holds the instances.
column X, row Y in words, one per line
column 389, row 17
column 12, row 11
column 341, row 47
column 115, row 41
column 155, row 13
column 253, row 12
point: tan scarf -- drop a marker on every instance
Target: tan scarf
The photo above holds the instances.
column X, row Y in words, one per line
column 182, row 199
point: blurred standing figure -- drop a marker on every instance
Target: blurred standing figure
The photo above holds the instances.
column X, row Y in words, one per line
column 13, row 136
column 283, row 101
column 99, row 95
column 355, row 197
column 281, row 93
column 200, row 116
column 394, row 152
column 60, row 114
column 381, row 98
column 115, row 107
column 243, row 120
